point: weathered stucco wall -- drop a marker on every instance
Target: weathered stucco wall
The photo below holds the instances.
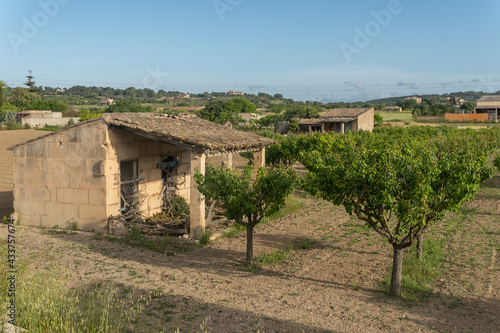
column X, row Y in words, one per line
column 59, row 179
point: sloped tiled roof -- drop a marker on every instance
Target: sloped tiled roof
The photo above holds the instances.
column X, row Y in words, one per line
column 345, row 113
column 188, row 129
column 182, row 129
column 489, row 98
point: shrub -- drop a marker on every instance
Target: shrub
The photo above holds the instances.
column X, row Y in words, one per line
column 179, row 206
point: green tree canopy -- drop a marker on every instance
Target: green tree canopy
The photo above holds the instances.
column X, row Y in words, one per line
column 301, row 111
column 468, row 106
column 247, row 201
column 23, row 98
column 399, row 187
column 220, row 111
column 127, row 105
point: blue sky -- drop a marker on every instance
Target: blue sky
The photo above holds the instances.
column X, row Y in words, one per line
column 307, row 50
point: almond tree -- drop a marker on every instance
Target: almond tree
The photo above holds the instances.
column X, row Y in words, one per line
column 247, row 201
column 400, row 188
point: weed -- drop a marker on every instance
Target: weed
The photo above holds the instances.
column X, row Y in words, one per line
column 275, row 257
column 167, row 245
column 251, row 268
column 205, row 238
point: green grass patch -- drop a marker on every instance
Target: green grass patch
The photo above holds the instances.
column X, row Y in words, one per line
column 275, row 257
column 292, row 205
column 419, row 275
column 45, row 303
column 49, row 128
column 284, row 254
column 205, row 238
column 396, row 116
column 168, row 245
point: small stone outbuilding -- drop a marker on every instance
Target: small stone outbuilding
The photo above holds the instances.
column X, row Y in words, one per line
column 77, row 174
column 339, row 120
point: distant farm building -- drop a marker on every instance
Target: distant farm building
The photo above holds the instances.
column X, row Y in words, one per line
column 234, row 93
column 90, row 171
column 249, row 118
column 41, row 118
column 490, row 105
column 417, row 99
column 340, row 120
column 393, row 109
column 106, row 101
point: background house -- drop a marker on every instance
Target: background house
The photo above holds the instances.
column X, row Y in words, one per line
column 80, row 173
column 339, row 120
column 106, row 101
column 40, row 118
column 489, row 104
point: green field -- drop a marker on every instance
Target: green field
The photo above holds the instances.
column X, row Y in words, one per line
column 396, row 116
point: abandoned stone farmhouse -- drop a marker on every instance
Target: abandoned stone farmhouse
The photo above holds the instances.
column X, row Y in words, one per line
column 83, row 173
column 339, row 120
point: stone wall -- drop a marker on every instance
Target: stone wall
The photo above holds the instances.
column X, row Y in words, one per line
column 365, row 121
column 481, row 117
column 59, row 179
column 41, row 122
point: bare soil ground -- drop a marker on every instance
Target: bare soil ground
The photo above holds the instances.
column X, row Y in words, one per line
column 332, row 286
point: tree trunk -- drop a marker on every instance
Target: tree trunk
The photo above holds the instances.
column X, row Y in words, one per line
column 420, row 247
column 397, row 272
column 249, row 245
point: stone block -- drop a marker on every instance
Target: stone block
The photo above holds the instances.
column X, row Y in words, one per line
column 146, row 164
column 92, row 224
column 74, row 181
column 129, row 151
column 37, row 149
column 19, row 151
column 57, row 150
column 52, row 221
column 24, row 178
column 110, row 167
column 21, row 193
column 153, row 175
column 97, row 197
column 129, row 137
column 42, row 194
column 57, row 180
column 30, row 220
column 34, row 164
column 93, row 212
column 113, row 197
column 167, row 149
column 85, row 134
column 32, row 208
column 152, row 148
column 57, row 209
column 91, row 182
column 69, row 195
column 113, row 209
